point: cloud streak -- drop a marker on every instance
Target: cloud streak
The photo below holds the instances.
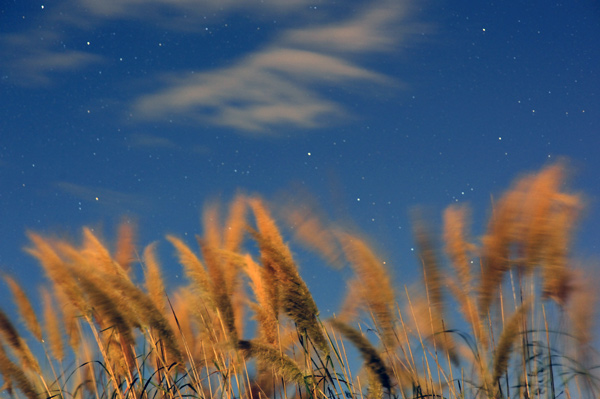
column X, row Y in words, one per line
column 34, row 59
column 280, row 85
column 126, row 9
column 378, row 28
column 272, row 88
column 283, row 84
column 112, row 199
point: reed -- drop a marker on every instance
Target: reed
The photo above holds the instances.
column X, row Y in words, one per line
column 433, row 281
column 502, row 316
column 11, row 337
column 125, row 248
column 292, row 292
column 154, row 283
column 283, row 365
column 512, row 329
column 52, row 326
column 193, row 268
column 376, row 293
column 14, row 375
column 25, row 309
column 370, row 355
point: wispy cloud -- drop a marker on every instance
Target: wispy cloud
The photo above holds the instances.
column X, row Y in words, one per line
column 32, row 57
column 274, row 87
column 146, row 141
column 155, row 9
column 105, row 197
column 281, row 85
column 380, row 27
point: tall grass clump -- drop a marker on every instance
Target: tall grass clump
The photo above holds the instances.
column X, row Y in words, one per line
column 506, row 315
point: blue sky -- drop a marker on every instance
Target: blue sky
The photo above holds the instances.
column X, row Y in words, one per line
column 146, row 110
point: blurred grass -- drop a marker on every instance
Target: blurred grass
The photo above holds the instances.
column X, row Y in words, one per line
column 506, row 316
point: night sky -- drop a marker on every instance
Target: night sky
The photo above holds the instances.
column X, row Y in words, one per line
column 146, row 110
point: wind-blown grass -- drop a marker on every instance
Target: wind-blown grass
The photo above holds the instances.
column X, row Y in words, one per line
column 506, row 316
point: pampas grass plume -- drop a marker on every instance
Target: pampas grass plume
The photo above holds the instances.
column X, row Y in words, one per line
column 52, row 326
column 25, row 308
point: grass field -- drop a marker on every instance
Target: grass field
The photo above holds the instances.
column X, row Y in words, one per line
column 505, row 315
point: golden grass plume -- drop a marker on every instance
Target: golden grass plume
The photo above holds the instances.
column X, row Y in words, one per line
column 154, row 282
column 376, row 291
column 14, row 374
column 286, row 284
column 282, row 364
column 511, row 331
column 52, row 326
column 371, row 357
column 10, row 335
column 25, row 309
column 530, row 230
column 530, row 227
